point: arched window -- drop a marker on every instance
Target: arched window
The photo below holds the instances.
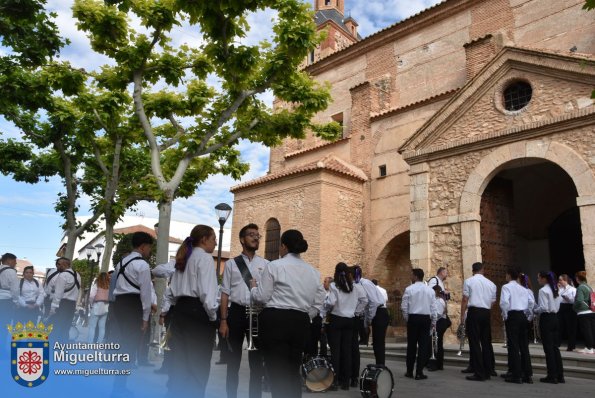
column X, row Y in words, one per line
column 272, row 239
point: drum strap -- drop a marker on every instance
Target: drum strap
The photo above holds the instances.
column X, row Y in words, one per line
column 246, row 275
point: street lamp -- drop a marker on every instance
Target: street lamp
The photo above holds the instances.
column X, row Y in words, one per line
column 223, row 211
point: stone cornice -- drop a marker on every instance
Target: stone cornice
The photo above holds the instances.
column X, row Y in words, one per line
column 323, row 145
column 391, row 33
column 395, row 111
column 572, row 120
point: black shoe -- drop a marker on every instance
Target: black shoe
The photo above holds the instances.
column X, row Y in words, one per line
column 345, row 386
column 409, row 375
column 561, row 380
column 420, row 376
column 528, row 380
column 550, row 380
column 333, row 387
column 570, row 349
column 494, row 374
column 354, row 383
column 505, row 375
column 475, row 378
column 431, row 369
column 467, row 370
column 516, row 380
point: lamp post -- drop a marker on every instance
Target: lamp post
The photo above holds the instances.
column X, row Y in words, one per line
column 89, row 250
column 223, row 211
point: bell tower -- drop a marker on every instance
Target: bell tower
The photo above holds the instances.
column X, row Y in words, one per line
column 338, row 5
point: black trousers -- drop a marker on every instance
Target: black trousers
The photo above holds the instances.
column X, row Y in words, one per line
column 25, row 314
column 282, row 333
column 379, row 326
column 587, row 324
column 567, row 320
column 341, row 342
column 194, row 336
column 314, row 337
column 519, row 359
column 7, row 309
column 548, row 327
column 360, row 336
column 238, row 329
column 479, row 333
column 418, row 330
column 440, row 330
column 62, row 320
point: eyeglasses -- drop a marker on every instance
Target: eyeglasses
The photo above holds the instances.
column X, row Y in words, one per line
column 255, row 235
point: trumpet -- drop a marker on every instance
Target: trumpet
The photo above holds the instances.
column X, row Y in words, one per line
column 164, row 340
column 252, row 311
column 461, row 337
column 434, row 342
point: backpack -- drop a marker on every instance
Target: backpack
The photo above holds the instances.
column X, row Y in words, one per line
column 592, row 297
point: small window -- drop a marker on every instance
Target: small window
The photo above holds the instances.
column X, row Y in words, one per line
column 327, row 2
column 338, row 117
column 382, row 170
column 517, row 95
column 312, row 57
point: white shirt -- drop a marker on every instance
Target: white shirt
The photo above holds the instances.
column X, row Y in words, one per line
column 568, row 294
column 435, row 280
column 419, row 299
column 480, row 291
column 375, row 299
column 546, row 303
column 344, row 304
column 234, row 285
column 290, row 283
column 30, row 292
column 164, row 270
column 138, row 271
column 515, row 297
column 9, row 284
column 383, row 293
column 65, row 287
column 49, row 284
column 440, row 305
column 199, row 280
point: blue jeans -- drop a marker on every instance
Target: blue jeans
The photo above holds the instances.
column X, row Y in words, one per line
column 95, row 321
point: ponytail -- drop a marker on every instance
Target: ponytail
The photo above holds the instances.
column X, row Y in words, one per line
column 551, row 281
column 184, row 252
column 525, row 281
column 342, row 279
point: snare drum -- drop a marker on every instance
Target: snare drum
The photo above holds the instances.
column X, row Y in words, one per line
column 318, row 374
column 376, row 381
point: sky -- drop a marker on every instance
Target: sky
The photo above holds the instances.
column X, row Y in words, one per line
column 29, row 226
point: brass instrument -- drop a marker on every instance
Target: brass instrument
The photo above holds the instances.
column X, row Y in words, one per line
column 164, row 339
column 434, row 342
column 461, row 337
column 535, row 328
column 252, row 311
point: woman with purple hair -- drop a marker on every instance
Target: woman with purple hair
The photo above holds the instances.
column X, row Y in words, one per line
column 548, row 305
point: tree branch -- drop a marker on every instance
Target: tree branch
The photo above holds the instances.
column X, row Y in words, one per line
column 176, row 138
column 231, row 139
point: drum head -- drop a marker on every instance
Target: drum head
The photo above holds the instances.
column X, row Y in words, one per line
column 384, row 384
column 318, row 375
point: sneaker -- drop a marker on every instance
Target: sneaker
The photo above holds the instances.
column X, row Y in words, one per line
column 586, row 351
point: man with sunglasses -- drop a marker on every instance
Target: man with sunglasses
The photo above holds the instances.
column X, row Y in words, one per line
column 234, row 321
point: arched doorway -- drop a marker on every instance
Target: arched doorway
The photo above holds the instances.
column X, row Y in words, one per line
column 393, row 271
column 529, row 219
column 272, row 239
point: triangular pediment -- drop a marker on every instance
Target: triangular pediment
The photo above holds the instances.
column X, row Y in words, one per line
column 561, row 87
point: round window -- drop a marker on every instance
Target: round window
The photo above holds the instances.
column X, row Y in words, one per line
column 517, row 95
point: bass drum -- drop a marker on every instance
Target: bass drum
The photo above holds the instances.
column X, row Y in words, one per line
column 318, row 374
column 376, row 381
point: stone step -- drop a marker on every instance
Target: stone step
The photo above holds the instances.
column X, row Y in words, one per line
column 575, row 365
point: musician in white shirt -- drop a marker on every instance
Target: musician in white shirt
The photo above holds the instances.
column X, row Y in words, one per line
column 515, row 303
column 567, row 318
column 9, row 293
column 290, row 290
column 419, row 311
column 548, row 305
column 31, row 296
column 439, row 279
column 234, row 324
column 193, row 291
column 442, row 324
column 65, row 295
column 479, row 294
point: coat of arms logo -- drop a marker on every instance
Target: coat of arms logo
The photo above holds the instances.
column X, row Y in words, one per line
column 30, row 353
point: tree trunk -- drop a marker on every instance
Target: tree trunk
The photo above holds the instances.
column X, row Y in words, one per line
column 109, row 245
column 163, row 232
column 71, row 236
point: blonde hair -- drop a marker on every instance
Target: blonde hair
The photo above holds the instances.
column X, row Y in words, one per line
column 197, row 235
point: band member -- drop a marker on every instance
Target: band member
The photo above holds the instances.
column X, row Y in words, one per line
column 566, row 316
column 234, row 325
column 517, row 304
column 479, row 294
column 290, row 290
column 98, row 299
column 439, row 279
column 442, row 324
column 49, row 286
column 132, row 295
column 318, row 328
column 586, row 317
column 344, row 300
column 31, row 297
column 548, row 305
column 66, row 292
column 193, row 290
column 9, row 293
column 419, row 311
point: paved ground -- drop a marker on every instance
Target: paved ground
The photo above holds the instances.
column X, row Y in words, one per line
column 449, row 383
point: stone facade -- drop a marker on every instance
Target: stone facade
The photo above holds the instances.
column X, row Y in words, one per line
column 422, row 101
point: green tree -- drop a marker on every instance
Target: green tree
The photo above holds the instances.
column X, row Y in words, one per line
column 191, row 125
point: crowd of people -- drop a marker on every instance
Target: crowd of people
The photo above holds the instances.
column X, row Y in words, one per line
column 287, row 315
